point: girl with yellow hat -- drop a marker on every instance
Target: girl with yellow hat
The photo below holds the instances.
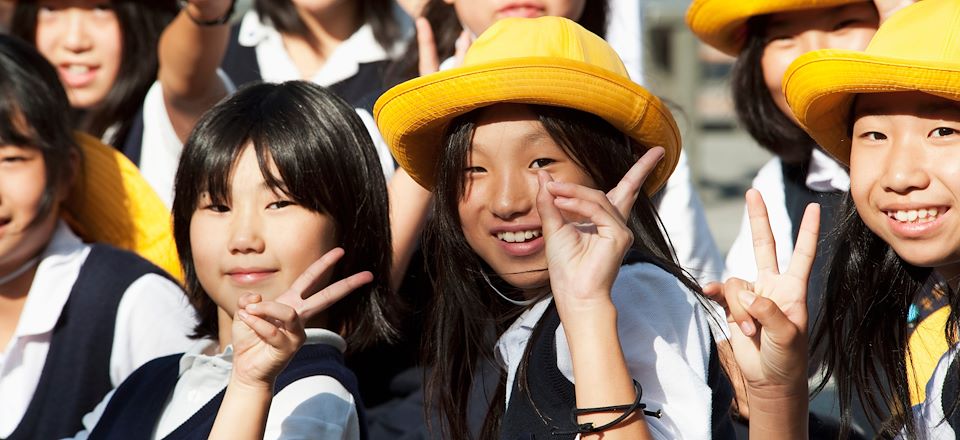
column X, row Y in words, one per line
column 892, row 114
column 77, row 318
column 542, row 256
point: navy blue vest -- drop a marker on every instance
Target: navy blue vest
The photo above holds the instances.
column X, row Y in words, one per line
column 136, row 406
column 76, row 374
column 360, row 91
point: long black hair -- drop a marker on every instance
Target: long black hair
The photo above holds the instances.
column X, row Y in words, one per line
column 464, row 317
column 755, row 108
column 283, row 15
column 447, row 28
column 34, row 113
column 141, row 23
column 325, row 161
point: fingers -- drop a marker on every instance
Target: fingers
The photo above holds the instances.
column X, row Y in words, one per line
column 308, row 279
column 325, row 298
column 764, row 245
column 460, row 47
column 281, row 315
column 714, row 291
column 248, row 299
column 886, row 8
column 734, row 290
column 775, row 323
column 805, row 250
column 427, row 47
column 273, row 330
column 550, row 218
column 626, row 192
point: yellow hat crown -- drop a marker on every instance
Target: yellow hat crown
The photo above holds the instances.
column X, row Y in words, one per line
column 926, row 31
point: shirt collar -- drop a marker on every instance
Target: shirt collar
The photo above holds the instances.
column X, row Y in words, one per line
column 204, row 351
column 826, row 174
column 59, row 267
column 514, row 339
column 362, row 45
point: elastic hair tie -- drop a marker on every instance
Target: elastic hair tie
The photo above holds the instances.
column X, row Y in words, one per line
column 628, row 410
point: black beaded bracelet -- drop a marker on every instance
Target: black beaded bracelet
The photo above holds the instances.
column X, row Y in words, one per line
column 628, row 410
column 224, row 19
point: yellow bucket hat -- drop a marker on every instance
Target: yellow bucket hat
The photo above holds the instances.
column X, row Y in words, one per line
column 723, row 23
column 545, row 61
column 113, row 204
column 917, row 49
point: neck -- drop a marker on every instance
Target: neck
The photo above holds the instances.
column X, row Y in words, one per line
column 325, row 31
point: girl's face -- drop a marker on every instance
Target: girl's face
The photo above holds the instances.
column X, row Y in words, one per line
column 23, row 181
column 498, row 212
column 905, row 175
column 791, row 34
column 82, row 39
column 258, row 241
column 478, row 15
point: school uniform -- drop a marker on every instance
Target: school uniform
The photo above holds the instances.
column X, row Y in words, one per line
column 354, row 71
column 943, row 393
column 667, row 343
column 178, row 396
column 92, row 316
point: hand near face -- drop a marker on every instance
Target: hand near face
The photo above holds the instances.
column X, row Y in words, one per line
column 768, row 319
column 584, row 258
column 427, row 47
column 266, row 334
column 886, row 8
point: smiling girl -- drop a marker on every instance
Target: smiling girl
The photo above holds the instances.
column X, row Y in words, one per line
column 536, row 239
column 893, row 114
column 257, row 204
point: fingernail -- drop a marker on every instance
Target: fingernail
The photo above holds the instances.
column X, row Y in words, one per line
column 746, row 298
column 747, row 328
column 242, row 314
column 252, row 307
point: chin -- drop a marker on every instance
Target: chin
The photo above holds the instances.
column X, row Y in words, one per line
column 527, row 280
column 921, row 256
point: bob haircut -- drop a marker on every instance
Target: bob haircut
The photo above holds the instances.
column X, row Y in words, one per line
column 460, row 319
column 141, row 23
column 379, row 13
column 326, row 163
column 447, row 28
column 34, row 113
column 760, row 116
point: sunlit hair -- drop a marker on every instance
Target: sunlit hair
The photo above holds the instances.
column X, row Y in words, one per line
column 325, row 162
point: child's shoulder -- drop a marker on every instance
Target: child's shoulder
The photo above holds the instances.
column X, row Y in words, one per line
column 118, row 262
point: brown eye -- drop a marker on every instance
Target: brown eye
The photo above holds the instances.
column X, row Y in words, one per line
column 541, row 163
column 943, row 132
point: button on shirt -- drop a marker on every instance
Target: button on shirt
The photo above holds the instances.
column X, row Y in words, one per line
column 153, row 320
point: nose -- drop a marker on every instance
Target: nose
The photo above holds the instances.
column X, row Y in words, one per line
column 76, row 32
column 245, row 232
column 813, row 39
column 904, row 167
column 513, row 194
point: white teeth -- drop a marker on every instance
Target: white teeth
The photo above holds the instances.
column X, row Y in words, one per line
column 922, row 215
column 518, row 237
column 78, row 69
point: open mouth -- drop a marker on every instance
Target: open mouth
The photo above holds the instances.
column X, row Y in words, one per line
column 519, row 236
column 923, row 215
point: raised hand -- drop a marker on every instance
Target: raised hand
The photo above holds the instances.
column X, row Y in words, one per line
column 584, row 257
column 768, row 324
column 886, row 8
column 427, row 47
column 266, row 334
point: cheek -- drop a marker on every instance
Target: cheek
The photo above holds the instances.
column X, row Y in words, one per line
column 111, row 44
column 205, row 238
column 475, row 15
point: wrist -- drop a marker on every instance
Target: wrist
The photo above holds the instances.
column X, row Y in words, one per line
column 247, row 385
column 208, row 15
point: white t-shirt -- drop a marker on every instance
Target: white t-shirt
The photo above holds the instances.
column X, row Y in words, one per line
column 313, row 407
column 153, row 319
column 665, row 336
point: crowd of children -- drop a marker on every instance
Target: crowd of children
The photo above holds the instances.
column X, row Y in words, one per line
column 298, row 222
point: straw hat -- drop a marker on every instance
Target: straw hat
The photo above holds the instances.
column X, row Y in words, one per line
column 547, row 61
column 723, row 23
column 113, row 204
column 917, row 49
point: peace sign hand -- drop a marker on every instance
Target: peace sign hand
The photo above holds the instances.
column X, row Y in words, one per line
column 266, row 334
column 584, row 258
column 768, row 319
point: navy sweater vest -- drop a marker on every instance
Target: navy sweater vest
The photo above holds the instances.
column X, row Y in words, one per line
column 136, row 406
column 360, row 91
column 76, row 374
column 543, row 405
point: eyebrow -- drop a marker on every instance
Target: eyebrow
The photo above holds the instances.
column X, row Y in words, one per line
column 934, row 110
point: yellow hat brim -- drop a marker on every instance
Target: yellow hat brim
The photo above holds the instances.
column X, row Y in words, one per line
column 722, row 23
column 820, row 87
column 414, row 116
column 112, row 203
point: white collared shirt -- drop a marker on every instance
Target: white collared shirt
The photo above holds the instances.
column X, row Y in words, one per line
column 153, row 320
column 825, row 175
column 665, row 336
column 313, row 407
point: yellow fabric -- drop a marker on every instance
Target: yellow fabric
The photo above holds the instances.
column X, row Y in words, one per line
column 113, row 204
column 927, row 345
column 548, row 61
column 917, row 49
column 722, row 23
